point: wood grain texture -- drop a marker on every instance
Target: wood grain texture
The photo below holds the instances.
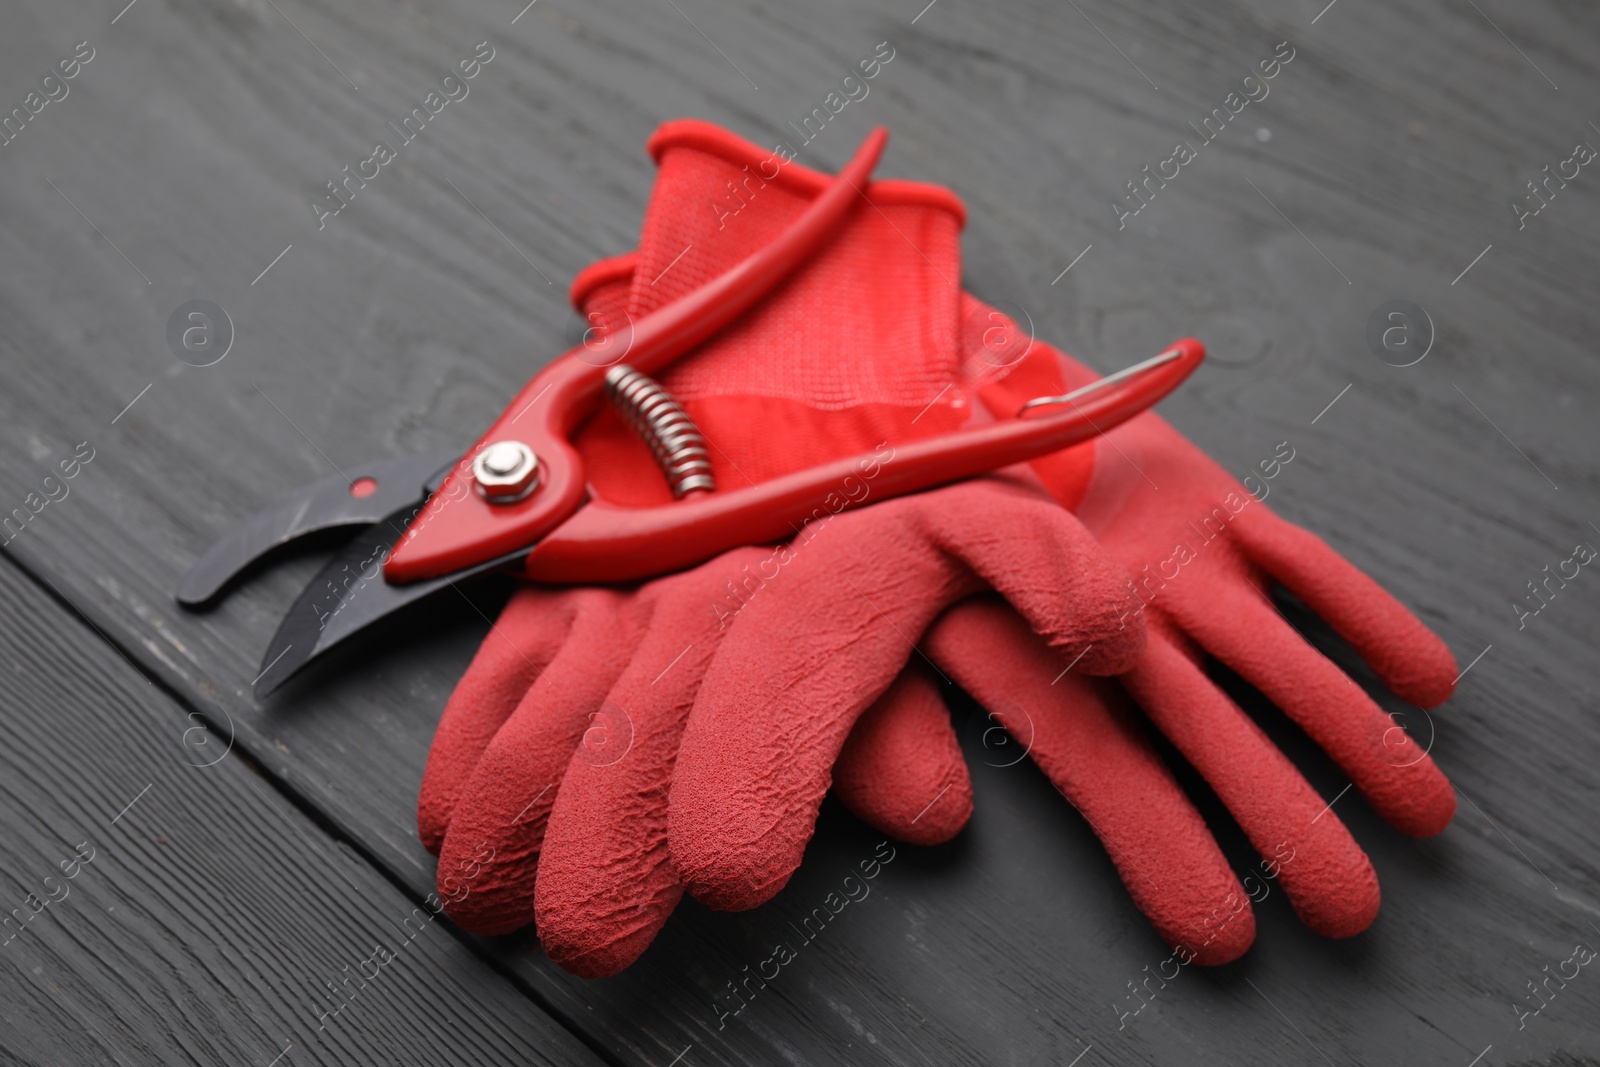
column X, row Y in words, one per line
column 163, row 903
column 1383, row 161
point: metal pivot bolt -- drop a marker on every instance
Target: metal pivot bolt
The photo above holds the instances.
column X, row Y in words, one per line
column 506, row 471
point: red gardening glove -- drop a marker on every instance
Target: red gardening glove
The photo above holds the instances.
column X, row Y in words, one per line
column 1078, row 730
column 574, row 705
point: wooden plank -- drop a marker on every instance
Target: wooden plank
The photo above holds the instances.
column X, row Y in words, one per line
column 1383, row 163
column 166, row 903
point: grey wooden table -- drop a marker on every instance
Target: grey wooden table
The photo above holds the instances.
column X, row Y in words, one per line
column 234, row 861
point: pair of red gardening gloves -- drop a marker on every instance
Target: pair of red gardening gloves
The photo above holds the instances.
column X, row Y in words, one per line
column 609, row 748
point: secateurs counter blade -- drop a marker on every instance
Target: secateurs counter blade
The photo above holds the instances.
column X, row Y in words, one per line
column 518, row 501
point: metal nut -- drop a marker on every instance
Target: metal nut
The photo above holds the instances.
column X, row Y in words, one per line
column 506, row 471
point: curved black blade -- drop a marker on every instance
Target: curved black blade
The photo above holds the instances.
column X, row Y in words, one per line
column 322, row 505
column 349, row 594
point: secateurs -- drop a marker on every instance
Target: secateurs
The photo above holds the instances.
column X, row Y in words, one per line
column 518, row 501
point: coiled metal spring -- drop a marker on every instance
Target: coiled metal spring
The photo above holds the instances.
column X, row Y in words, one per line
column 676, row 442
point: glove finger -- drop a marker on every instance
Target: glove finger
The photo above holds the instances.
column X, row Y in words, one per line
column 504, row 805
column 606, row 881
column 901, row 770
column 824, row 639
column 1080, row 733
column 1410, row 658
column 1242, row 629
column 530, row 631
column 1052, row 570
column 1324, row 873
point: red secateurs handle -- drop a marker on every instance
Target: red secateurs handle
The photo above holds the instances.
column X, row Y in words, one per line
column 459, row 528
column 604, row 542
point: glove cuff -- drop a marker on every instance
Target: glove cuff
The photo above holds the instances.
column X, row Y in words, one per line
column 778, row 167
